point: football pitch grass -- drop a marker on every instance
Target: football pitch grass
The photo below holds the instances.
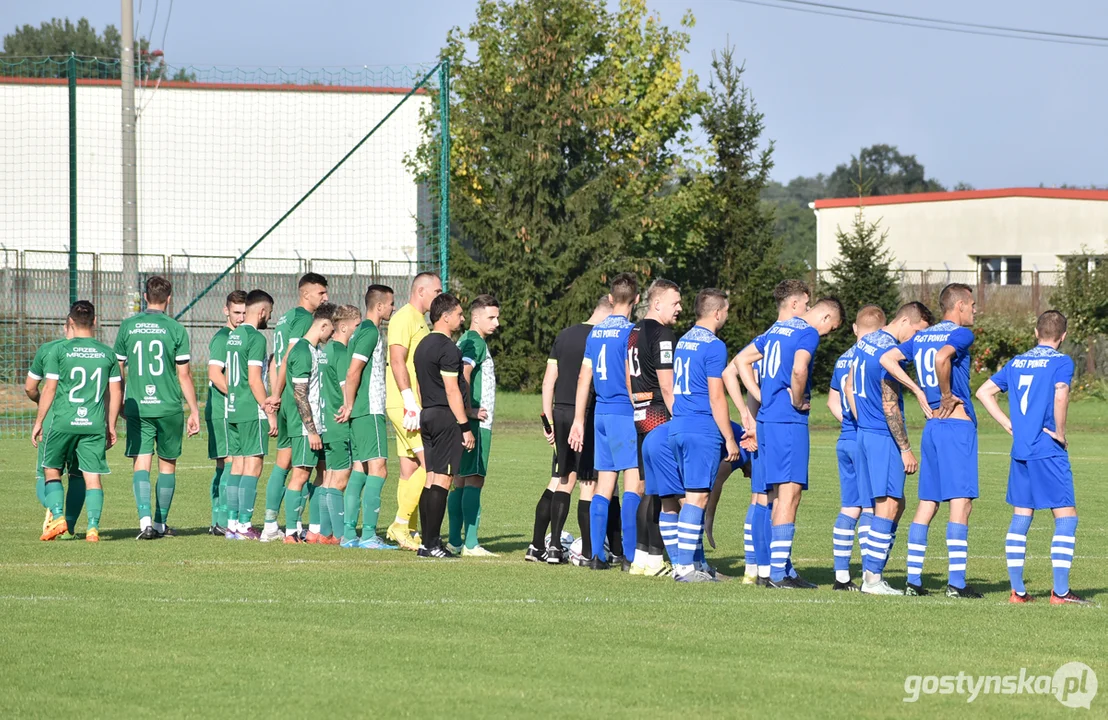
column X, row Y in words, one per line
column 199, row 626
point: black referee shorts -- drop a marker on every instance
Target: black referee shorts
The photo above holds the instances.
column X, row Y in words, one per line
column 442, row 440
column 566, row 459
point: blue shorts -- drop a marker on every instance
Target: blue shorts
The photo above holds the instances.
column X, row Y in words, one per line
column 878, row 464
column 758, row 468
column 698, row 457
column 948, row 460
column 663, row 477
column 617, row 443
column 783, row 454
column 849, row 494
column 1042, row 484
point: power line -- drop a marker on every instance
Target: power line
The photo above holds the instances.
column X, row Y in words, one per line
column 964, row 29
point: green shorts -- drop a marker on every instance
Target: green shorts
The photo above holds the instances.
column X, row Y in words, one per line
column 283, row 439
column 337, row 454
column 90, row 452
column 367, row 435
column 163, row 433
column 476, row 461
column 219, row 439
column 302, row 453
column 248, row 439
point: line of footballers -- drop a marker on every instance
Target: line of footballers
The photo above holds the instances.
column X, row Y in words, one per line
column 633, row 399
column 325, row 394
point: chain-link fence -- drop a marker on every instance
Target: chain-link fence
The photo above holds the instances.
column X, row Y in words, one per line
column 245, row 178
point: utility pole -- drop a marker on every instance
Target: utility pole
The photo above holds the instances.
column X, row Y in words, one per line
column 130, row 165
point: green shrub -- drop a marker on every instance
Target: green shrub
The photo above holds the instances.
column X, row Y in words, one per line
column 999, row 339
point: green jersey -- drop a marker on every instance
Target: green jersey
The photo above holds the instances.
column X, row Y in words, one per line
column 289, row 329
column 37, row 370
column 305, row 365
column 482, row 383
column 368, row 345
column 217, row 355
column 245, row 349
column 337, row 358
column 83, row 367
column 152, row 345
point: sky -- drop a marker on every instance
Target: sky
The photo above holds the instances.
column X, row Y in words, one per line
column 991, row 112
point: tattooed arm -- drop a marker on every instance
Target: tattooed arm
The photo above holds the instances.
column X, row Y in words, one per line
column 304, row 407
column 890, row 403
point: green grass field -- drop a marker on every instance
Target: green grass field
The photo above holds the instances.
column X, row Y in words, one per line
column 198, row 626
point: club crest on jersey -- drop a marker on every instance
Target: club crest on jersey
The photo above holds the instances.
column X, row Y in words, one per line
column 150, row 390
column 82, row 412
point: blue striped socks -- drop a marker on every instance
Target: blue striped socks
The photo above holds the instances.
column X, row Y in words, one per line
column 877, row 545
column 629, row 519
column 917, row 548
column 760, row 530
column 780, row 548
column 957, row 551
column 1015, row 550
column 842, row 546
column 1061, row 552
column 690, row 525
column 748, row 539
column 667, row 523
column 864, row 524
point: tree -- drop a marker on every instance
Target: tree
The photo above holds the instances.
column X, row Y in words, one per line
column 58, row 38
column 887, row 171
column 568, row 125
column 861, row 275
column 1083, row 299
column 741, row 255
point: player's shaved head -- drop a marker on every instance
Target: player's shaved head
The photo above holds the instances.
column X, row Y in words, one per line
column 443, row 304
column 952, row 294
column 708, row 302
column 483, row 301
column 158, row 290
column 831, row 305
column 258, row 297
column 377, row 294
column 312, row 279
column 325, row 311
column 1051, row 326
column 236, row 297
column 660, row 287
column 425, row 279
column 787, row 289
column 82, row 314
column 604, row 303
column 916, row 312
column 624, row 289
column 870, row 318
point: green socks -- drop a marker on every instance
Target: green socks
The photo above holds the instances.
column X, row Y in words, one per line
column 74, row 499
column 471, row 512
column 167, row 483
column 371, row 505
column 320, row 510
column 454, row 512
column 215, row 495
column 55, row 497
column 294, row 506
column 94, row 500
column 352, row 501
column 40, row 488
column 248, row 493
column 337, row 508
column 221, row 506
column 274, row 493
column 232, row 495
column 141, row 483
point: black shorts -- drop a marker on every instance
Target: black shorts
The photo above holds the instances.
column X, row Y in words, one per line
column 442, row 440
column 566, row 460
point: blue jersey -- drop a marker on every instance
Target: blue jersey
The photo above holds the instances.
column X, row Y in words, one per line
column 606, row 354
column 779, row 346
column 842, row 368
column 1030, row 379
column 700, row 355
column 922, row 348
column 868, row 376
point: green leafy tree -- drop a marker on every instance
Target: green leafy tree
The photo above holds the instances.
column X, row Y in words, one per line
column 796, row 223
column 569, row 122
column 1083, row 299
column 57, row 38
column 742, row 255
column 862, row 274
column 887, row 170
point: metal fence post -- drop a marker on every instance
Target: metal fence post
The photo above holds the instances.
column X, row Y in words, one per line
column 444, row 172
column 1035, row 292
column 71, row 70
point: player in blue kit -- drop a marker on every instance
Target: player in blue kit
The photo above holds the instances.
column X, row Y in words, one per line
column 948, row 447
column 616, row 440
column 701, row 425
column 1040, row 477
column 784, row 388
column 883, row 456
column 852, row 502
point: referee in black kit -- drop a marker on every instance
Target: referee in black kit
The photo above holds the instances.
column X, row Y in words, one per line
column 443, row 424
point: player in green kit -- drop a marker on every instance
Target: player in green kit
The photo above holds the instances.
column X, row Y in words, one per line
column 82, row 394
column 306, row 419
column 464, row 502
column 363, row 407
column 249, row 423
column 75, row 490
column 215, row 410
column 287, row 331
column 153, row 349
column 337, row 450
